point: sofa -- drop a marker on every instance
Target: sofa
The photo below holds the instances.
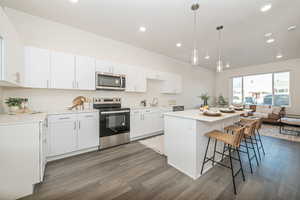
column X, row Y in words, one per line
column 268, row 114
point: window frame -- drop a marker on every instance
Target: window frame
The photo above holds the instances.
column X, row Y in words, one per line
column 273, row 84
column 2, row 57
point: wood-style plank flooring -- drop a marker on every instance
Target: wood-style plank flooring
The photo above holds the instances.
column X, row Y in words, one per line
column 134, row 172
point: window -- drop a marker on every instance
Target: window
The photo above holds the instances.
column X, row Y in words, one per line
column 1, row 57
column 262, row 89
column 237, row 85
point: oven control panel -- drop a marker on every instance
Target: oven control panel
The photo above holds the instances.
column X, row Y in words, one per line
column 113, row 100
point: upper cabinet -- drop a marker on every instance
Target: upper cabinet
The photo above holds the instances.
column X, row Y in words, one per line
column 85, row 73
column 46, row 69
column 172, row 84
column 11, row 59
column 63, row 71
column 37, row 68
column 50, row 69
column 136, row 80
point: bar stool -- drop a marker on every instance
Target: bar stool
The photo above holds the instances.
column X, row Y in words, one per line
column 249, row 133
column 256, row 136
column 233, row 141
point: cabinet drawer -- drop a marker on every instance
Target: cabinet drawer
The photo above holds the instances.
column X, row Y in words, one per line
column 60, row 118
column 93, row 115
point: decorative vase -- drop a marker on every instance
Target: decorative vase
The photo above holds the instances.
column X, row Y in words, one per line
column 13, row 109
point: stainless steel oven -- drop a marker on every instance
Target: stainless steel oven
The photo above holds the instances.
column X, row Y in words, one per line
column 114, row 122
column 107, row 81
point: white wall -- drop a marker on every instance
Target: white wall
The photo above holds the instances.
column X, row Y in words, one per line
column 224, row 84
column 42, row 33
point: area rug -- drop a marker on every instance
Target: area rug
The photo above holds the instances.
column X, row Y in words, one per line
column 273, row 131
column 156, row 143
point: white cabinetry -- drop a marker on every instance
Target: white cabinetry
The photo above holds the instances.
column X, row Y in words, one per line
column 88, row 130
column 85, row 73
column 62, row 70
column 21, row 158
column 136, row 80
column 172, row 84
column 37, row 68
column 72, row 132
column 11, row 59
column 62, row 134
column 145, row 122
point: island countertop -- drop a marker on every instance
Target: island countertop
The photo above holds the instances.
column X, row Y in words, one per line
column 196, row 114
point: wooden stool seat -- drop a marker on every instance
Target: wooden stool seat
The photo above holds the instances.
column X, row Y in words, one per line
column 220, row 136
column 231, row 127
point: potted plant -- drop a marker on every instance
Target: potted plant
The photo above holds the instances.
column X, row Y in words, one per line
column 204, row 97
column 222, row 101
column 14, row 104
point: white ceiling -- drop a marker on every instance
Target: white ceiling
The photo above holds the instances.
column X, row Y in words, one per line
column 171, row 21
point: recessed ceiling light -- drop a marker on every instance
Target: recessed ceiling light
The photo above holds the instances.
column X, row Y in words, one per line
column 271, row 40
column 291, row 28
column 268, row 34
column 178, row 45
column 207, row 57
column 142, row 29
column 74, row 1
column 227, row 65
column 266, row 7
column 278, row 56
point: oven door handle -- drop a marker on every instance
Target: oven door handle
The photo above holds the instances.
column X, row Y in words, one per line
column 114, row 112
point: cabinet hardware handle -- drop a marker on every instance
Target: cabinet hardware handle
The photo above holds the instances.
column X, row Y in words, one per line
column 47, row 83
column 79, row 124
column 62, row 118
column 77, row 84
column 74, row 125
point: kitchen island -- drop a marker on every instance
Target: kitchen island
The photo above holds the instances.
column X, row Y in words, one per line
column 185, row 141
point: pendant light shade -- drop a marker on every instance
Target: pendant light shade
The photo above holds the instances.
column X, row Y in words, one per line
column 195, row 57
column 195, row 52
column 220, row 63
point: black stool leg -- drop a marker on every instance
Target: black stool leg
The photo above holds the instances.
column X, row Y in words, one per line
column 213, row 162
column 254, row 150
column 223, row 153
column 238, row 153
column 231, row 167
column 205, row 156
column 256, row 143
column 248, row 154
column 261, row 144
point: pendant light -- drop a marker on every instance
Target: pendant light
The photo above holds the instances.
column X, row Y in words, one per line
column 220, row 63
column 195, row 52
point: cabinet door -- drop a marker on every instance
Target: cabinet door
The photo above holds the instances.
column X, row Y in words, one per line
column 104, row 66
column 62, row 70
column 62, row 134
column 152, row 120
column 85, row 73
column 136, row 80
column 136, row 124
column 88, row 130
column 37, row 67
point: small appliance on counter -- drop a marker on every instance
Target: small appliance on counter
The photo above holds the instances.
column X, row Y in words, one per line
column 108, row 81
column 114, row 122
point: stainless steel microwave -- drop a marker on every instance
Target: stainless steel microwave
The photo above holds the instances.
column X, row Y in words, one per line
column 107, row 81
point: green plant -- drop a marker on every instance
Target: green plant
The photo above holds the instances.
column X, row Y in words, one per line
column 204, row 97
column 222, row 101
column 14, row 102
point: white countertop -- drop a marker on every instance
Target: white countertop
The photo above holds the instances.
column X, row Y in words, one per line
column 6, row 119
column 61, row 112
column 195, row 114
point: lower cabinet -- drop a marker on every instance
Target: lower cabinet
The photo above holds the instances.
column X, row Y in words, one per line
column 145, row 122
column 69, row 133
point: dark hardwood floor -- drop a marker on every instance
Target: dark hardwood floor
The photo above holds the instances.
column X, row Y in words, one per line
column 133, row 172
